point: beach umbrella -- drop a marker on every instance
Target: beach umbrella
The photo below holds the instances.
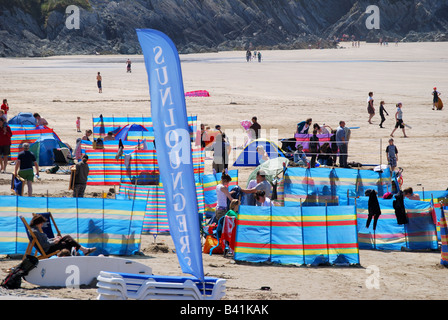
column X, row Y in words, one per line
column 272, row 168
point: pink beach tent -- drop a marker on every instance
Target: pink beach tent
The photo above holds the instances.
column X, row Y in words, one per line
column 197, row 93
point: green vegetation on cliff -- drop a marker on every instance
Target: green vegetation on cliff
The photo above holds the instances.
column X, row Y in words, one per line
column 40, row 9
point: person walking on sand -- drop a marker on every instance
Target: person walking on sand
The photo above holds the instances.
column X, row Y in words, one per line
column 24, row 167
column 435, row 99
column 81, row 176
column 392, row 155
column 370, row 107
column 128, row 66
column 399, row 120
column 382, row 111
column 99, row 80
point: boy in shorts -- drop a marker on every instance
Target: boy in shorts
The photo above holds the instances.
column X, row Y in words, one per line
column 392, row 155
column 24, row 167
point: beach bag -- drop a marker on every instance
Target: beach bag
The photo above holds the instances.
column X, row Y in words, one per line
column 14, row 279
column 211, row 242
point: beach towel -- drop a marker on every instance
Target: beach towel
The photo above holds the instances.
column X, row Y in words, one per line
column 399, row 208
column 229, row 231
column 374, row 209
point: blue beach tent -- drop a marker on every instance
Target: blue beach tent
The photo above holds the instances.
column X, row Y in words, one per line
column 43, row 149
column 250, row 157
column 23, row 118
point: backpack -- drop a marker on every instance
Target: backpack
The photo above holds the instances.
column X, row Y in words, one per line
column 14, row 279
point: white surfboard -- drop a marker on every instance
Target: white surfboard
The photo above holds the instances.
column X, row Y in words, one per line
column 80, row 270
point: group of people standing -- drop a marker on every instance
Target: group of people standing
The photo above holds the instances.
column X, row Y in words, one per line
column 398, row 114
column 325, row 153
column 256, row 56
column 27, row 162
column 221, row 147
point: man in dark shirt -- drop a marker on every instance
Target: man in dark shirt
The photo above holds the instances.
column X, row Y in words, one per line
column 314, row 148
column 255, row 127
column 81, row 174
column 24, row 167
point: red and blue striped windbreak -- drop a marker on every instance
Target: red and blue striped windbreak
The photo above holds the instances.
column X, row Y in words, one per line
column 297, row 235
column 419, row 233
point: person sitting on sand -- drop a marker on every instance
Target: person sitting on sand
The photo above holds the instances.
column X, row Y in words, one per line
column 409, row 193
column 87, row 135
column 260, row 184
column 300, row 157
column 262, row 200
column 325, row 156
column 109, row 137
column 262, row 155
column 57, row 243
column 233, row 208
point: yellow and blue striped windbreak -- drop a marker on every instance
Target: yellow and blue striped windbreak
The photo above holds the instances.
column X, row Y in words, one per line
column 156, row 219
column 419, row 233
column 103, row 125
column 331, row 186
column 297, row 235
column 112, row 226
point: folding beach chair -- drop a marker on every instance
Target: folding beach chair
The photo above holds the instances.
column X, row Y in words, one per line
column 47, row 229
column 63, row 159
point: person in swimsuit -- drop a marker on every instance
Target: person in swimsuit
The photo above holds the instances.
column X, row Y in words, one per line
column 98, row 81
column 370, row 107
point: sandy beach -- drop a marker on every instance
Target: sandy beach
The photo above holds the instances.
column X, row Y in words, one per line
column 285, row 88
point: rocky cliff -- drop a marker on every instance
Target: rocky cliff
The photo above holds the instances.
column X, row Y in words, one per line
column 43, row 27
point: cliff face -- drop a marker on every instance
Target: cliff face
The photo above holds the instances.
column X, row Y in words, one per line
column 210, row 25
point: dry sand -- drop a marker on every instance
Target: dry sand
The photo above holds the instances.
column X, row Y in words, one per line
column 286, row 88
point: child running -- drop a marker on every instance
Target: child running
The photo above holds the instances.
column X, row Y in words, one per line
column 382, row 111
